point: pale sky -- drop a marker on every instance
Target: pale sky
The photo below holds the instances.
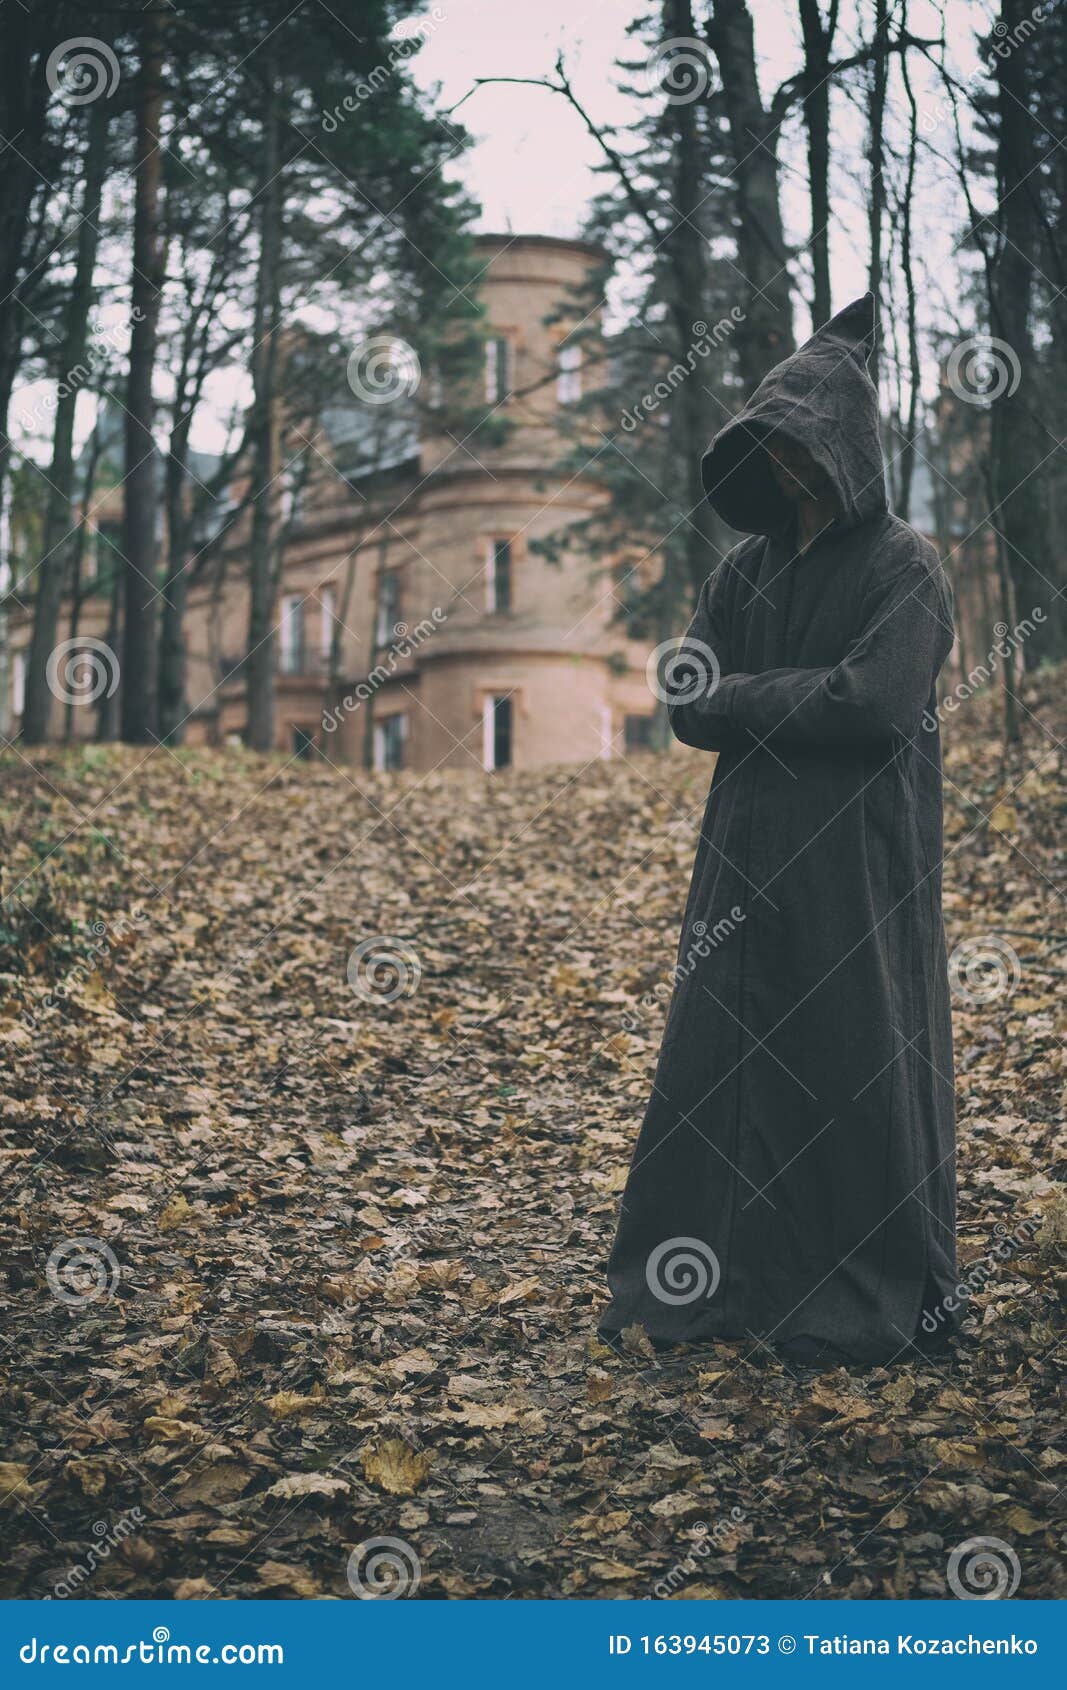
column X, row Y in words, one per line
column 531, row 165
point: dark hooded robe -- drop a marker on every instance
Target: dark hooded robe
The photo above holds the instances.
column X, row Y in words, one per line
column 794, row 1177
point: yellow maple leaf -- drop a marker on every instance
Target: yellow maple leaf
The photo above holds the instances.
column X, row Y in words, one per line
column 286, row 1405
column 395, row 1467
column 176, row 1213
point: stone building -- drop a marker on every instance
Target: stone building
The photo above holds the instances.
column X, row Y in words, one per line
column 417, row 627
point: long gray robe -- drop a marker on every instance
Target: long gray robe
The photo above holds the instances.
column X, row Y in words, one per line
column 794, row 1176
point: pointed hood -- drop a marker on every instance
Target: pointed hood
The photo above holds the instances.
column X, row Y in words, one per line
column 824, row 400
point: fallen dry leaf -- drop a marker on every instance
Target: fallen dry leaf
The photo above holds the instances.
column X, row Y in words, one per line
column 395, row 1467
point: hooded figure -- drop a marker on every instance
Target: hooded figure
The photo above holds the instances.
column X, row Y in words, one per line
column 794, row 1178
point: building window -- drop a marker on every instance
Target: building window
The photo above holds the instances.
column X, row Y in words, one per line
column 390, row 734
column 569, row 375
column 327, row 617
column 498, row 590
column 497, row 371
column 303, row 743
column 637, row 733
column 496, row 730
column 388, row 607
column 291, row 630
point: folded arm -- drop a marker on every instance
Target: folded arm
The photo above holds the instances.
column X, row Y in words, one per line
column 691, row 721
column 876, row 694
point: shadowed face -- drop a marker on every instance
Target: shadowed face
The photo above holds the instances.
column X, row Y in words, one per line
column 798, row 476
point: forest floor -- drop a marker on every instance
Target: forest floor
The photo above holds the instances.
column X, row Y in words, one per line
column 319, row 1094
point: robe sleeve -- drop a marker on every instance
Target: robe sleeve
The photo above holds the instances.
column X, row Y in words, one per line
column 875, row 695
column 690, row 721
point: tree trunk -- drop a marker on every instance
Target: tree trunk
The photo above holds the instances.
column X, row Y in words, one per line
column 140, row 494
column 77, row 555
column 54, row 570
column 107, row 708
column 6, row 712
column 172, row 662
column 368, row 717
column 907, row 449
column 259, row 667
column 817, row 44
column 1020, row 483
column 686, row 252
column 24, row 96
column 766, row 335
column 876, row 161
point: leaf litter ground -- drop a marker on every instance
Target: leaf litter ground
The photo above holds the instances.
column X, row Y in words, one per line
column 335, row 1078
